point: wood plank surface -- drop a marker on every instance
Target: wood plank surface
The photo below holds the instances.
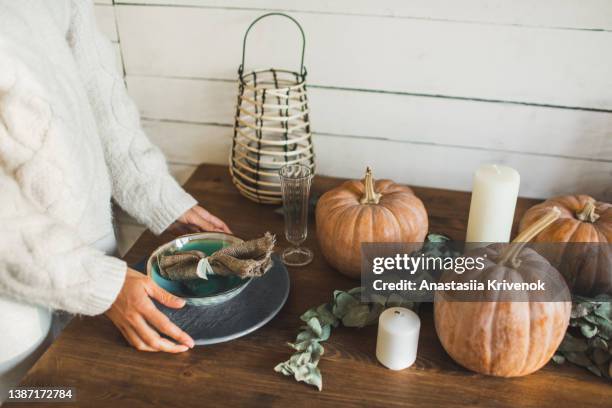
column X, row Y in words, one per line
column 92, row 356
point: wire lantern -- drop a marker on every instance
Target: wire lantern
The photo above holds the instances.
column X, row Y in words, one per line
column 271, row 127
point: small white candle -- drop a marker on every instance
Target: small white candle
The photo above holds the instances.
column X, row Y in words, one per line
column 494, row 195
column 398, row 338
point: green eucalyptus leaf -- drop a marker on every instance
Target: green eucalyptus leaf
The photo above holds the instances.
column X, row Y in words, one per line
column 375, row 310
column 598, row 343
column 605, row 328
column 301, row 346
column 315, row 325
column 305, row 335
column 581, row 310
column 326, row 317
column 355, row 292
column 573, row 344
column 437, row 238
column 558, row 358
column 356, row 316
column 316, row 351
column 310, row 374
column 309, row 314
column 591, row 349
column 600, row 356
column 343, row 302
column 378, row 299
column 578, row 358
column 325, row 333
column 604, row 310
column 595, row 370
column 588, row 330
column 283, row 368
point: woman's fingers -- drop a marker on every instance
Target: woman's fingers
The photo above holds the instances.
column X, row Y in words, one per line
column 215, row 221
column 161, row 322
column 179, row 228
column 134, row 339
column 164, row 297
column 198, row 219
column 205, row 225
column 153, row 339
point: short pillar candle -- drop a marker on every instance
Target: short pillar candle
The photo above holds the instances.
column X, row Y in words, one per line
column 398, row 338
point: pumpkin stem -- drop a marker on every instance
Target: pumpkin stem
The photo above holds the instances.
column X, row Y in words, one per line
column 588, row 213
column 527, row 235
column 370, row 195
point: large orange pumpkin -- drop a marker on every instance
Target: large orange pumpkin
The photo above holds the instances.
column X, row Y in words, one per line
column 587, row 267
column 505, row 338
column 366, row 211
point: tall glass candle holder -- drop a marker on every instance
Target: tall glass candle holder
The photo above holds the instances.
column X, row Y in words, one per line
column 295, row 180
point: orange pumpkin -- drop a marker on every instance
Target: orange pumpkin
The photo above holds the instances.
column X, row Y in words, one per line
column 504, row 338
column 587, row 268
column 366, row 211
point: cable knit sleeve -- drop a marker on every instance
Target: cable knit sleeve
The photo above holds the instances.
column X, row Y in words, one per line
column 141, row 182
column 43, row 261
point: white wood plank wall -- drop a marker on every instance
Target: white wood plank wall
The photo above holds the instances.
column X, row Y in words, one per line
column 422, row 90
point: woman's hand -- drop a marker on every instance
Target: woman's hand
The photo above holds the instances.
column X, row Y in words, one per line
column 197, row 219
column 139, row 320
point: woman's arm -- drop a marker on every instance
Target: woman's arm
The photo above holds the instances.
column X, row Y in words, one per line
column 43, row 261
column 142, row 184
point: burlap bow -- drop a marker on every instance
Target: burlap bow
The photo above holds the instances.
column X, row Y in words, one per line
column 247, row 259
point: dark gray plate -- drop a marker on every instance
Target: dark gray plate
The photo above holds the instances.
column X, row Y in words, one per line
column 258, row 303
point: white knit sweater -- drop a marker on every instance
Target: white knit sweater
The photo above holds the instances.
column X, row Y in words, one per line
column 70, row 139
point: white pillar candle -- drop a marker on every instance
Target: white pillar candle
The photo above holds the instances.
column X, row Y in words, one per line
column 494, row 195
column 398, row 338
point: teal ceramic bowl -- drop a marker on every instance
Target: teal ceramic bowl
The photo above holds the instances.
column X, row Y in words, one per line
column 199, row 292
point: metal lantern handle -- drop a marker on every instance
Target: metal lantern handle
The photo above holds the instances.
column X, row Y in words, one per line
column 302, row 69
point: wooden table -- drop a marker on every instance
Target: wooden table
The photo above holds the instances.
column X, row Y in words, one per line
column 91, row 355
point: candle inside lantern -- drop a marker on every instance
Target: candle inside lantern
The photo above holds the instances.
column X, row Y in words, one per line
column 398, row 338
column 494, row 195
